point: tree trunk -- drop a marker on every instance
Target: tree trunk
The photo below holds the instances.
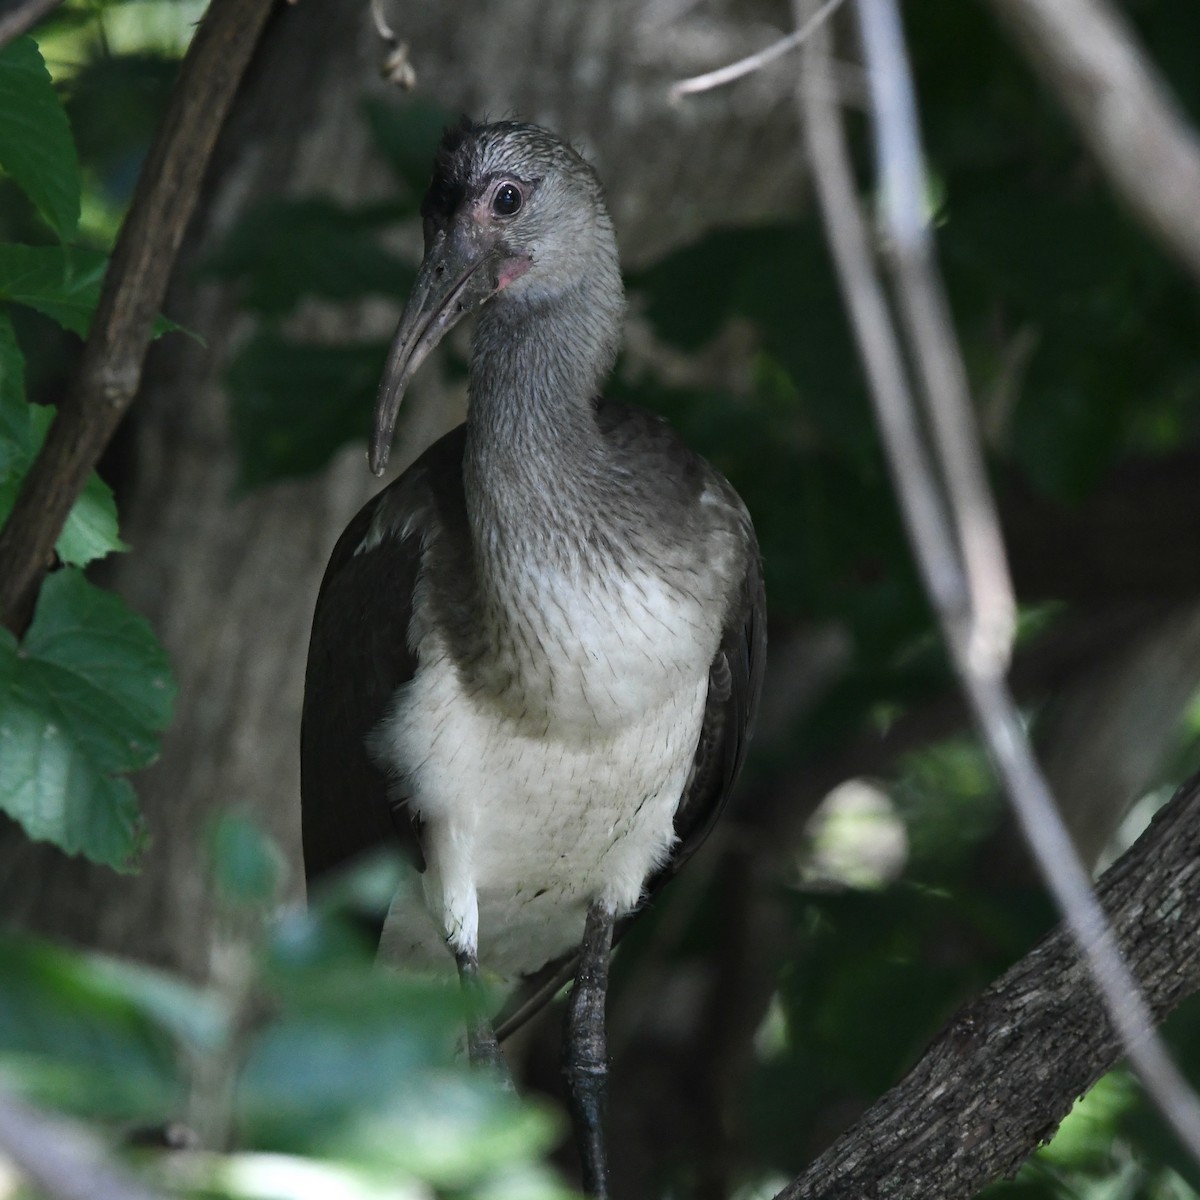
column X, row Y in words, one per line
column 229, row 580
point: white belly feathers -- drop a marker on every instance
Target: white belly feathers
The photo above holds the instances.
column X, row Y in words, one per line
column 525, row 824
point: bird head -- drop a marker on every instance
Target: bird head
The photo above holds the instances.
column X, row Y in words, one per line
column 514, row 216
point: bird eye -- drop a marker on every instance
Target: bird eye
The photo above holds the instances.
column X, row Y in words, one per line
column 507, row 200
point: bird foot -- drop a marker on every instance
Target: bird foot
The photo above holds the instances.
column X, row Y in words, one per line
column 585, row 1063
column 483, row 1048
column 484, row 1053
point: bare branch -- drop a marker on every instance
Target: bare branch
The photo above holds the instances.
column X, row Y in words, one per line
column 60, row 1158
column 1003, row 1073
column 395, row 67
column 753, row 62
column 992, row 606
column 911, row 467
column 133, row 292
column 1089, row 56
column 982, row 678
column 980, row 668
column 22, row 17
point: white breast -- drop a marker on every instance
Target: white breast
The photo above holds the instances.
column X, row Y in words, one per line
column 526, row 823
column 616, row 646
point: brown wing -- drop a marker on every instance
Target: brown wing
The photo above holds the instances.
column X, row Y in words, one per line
column 734, row 688
column 358, row 656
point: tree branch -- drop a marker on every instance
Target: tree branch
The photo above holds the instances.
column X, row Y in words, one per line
column 999, row 1078
column 134, row 287
column 938, row 366
column 931, row 516
column 1086, row 52
column 22, row 17
column 753, row 62
column 61, row 1159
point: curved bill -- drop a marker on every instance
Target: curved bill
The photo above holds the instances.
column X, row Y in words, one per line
column 451, row 282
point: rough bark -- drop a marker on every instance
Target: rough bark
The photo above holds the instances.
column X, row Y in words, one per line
column 1000, row 1077
column 134, row 286
column 229, row 581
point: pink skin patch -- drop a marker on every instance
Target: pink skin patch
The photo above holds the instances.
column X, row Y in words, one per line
column 512, row 269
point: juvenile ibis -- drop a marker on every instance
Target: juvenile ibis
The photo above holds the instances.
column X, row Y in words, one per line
column 536, row 655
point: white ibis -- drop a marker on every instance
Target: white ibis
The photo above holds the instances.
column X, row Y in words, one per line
column 536, row 656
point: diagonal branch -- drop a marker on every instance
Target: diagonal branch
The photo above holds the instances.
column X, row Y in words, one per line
column 981, row 661
column 62, row 1159
column 930, row 517
column 22, row 17
column 1004, row 1072
column 1088, row 55
column 938, row 364
column 134, row 287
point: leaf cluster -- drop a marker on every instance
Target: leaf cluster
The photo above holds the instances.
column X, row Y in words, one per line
column 313, row 1067
column 320, row 1073
column 86, row 690
column 1081, row 345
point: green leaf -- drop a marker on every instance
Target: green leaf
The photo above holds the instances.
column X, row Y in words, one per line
column 407, row 133
column 91, row 527
column 92, row 1035
column 284, row 250
column 360, row 1064
column 247, row 865
column 15, row 427
column 36, row 147
column 81, row 699
column 294, row 403
column 383, row 1088
column 61, row 282
column 90, row 531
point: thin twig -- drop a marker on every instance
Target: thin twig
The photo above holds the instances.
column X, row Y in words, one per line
column 982, row 657
column 914, row 473
column 999, row 720
column 380, row 21
column 755, row 61
column 134, row 287
column 395, row 68
column 883, row 361
column 61, row 1159
column 1088, row 54
column 23, row 17
column 938, row 360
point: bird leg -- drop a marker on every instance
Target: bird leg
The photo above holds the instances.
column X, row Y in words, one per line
column 482, row 1047
column 585, row 1058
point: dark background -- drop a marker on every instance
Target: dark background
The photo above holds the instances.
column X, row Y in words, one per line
column 802, row 962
